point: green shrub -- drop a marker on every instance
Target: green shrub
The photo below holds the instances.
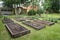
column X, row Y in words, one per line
column 50, row 19
column 31, row 12
column 1, row 16
column 58, row 18
column 53, row 20
column 39, row 11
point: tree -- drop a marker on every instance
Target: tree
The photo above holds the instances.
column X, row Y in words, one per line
column 47, row 5
column 13, row 3
column 55, row 6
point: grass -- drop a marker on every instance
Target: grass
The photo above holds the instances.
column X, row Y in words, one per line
column 48, row 33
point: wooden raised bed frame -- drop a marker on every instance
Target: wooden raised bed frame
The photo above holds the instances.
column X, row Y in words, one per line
column 15, row 29
column 22, row 19
column 33, row 25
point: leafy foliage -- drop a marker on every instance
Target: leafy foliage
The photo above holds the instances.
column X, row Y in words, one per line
column 55, row 5
column 9, row 3
column 31, row 12
column 1, row 16
column 52, row 5
column 40, row 11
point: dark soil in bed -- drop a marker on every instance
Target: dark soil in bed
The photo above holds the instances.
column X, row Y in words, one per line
column 34, row 25
column 44, row 22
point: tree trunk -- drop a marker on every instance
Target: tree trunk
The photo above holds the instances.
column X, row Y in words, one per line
column 15, row 11
column 19, row 11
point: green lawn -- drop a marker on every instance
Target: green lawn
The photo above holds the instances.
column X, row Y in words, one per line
column 48, row 33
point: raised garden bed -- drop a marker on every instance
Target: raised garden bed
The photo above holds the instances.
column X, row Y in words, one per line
column 38, row 23
column 33, row 25
column 23, row 19
column 44, row 22
column 15, row 29
column 7, row 20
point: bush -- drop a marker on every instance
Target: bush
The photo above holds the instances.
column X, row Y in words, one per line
column 31, row 12
column 39, row 11
column 1, row 16
column 53, row 20
column 58, row 18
